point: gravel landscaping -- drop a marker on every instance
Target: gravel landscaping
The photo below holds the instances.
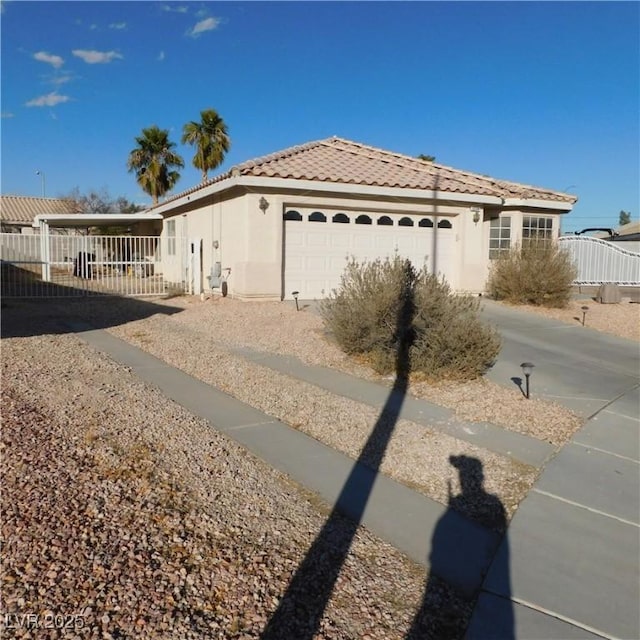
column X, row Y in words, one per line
column 124, row 516
column 122, row 508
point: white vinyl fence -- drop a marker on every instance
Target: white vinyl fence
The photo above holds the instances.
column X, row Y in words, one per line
column 51, row 265
column 601, row 261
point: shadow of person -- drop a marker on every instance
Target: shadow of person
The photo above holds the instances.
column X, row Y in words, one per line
column 447, row 609
column 301, row 608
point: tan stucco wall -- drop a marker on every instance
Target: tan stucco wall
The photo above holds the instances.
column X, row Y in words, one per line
column 250, row 241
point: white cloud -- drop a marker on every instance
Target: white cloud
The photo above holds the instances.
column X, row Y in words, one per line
column 55, row 61
column 118, row 25
column 50, row 100
column 58, row 80
column 7, row 114
column 161, row 56
column 178, row 9
column 96, row 57
column 204, row 25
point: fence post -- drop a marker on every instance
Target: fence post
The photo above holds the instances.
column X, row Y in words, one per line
column 45, row 251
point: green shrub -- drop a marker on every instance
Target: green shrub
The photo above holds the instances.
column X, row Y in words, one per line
column 363, row 313
column 381, row 307
column 450, row 339
column 539, row 273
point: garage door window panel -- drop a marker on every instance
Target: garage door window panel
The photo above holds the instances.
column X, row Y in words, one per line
column 444, row 224
column 405, row 222
column 363, row 220
column 385, row 221
column 426, row 223
column 316, row 216
column 293, row 216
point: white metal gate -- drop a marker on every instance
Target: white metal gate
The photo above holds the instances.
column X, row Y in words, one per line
column 601, row 261
column 52, row 265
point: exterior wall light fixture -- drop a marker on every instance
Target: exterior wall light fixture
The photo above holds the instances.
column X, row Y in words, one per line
column 527, row 369
column 263, row 204
column 476, row 215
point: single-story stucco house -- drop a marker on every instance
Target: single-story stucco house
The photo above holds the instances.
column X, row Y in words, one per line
column 288, row 221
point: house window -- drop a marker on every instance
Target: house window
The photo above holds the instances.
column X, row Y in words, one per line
column 293, row 215
column 171, row 237
column 363, row 219
column 385, row 221
column 425, row 222
column 340, row 218
column 316, row 216
column 499, row 236
column 405, row 222
column 536, row 229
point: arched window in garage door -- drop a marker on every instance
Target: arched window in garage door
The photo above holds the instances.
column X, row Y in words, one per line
column 405, row 222
column 340, row 218
column 293, row 215
column 363, row 219
column 316, row 216
column 444, row 224
column 426, row 222
column 385, row 221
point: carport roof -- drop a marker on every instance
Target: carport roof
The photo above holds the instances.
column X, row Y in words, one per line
column 93, row 219
column 336, row 160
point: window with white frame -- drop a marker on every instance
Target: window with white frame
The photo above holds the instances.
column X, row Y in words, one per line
column 171, row 237
column 499, row 236
column 536, row 229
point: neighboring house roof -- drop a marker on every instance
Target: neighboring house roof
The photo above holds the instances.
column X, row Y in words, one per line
column 343, row 161
column 629, row 231
column 23, row 209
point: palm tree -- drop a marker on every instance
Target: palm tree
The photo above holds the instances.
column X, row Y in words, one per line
column 211, row 139
column 153, row 161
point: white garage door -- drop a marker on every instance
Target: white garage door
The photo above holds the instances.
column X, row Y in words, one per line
column 317, row 244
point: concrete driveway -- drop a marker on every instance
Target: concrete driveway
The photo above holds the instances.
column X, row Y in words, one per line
column 577, row 367
column 569, row 566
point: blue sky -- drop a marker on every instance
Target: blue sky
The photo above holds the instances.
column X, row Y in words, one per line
column 542, row 93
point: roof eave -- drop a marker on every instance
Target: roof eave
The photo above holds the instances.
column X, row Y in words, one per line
column 257, row 182
column 537, row 203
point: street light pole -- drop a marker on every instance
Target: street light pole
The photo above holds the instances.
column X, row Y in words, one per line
column 41, row 174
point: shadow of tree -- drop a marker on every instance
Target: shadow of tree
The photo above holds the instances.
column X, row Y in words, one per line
column 302, row 606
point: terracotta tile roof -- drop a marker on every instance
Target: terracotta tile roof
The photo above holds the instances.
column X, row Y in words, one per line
column 343, row 161
column 22, row 209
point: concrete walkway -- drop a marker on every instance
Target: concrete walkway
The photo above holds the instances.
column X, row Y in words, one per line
column 568, row 567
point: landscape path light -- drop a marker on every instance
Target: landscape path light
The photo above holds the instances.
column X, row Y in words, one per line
column 295, row 295
column 584, row 313
column 527, row 369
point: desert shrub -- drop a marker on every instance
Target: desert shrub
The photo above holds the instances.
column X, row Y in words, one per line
column 381, row 307
column 539, row 273
column 451, row 341
column 364, row 313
